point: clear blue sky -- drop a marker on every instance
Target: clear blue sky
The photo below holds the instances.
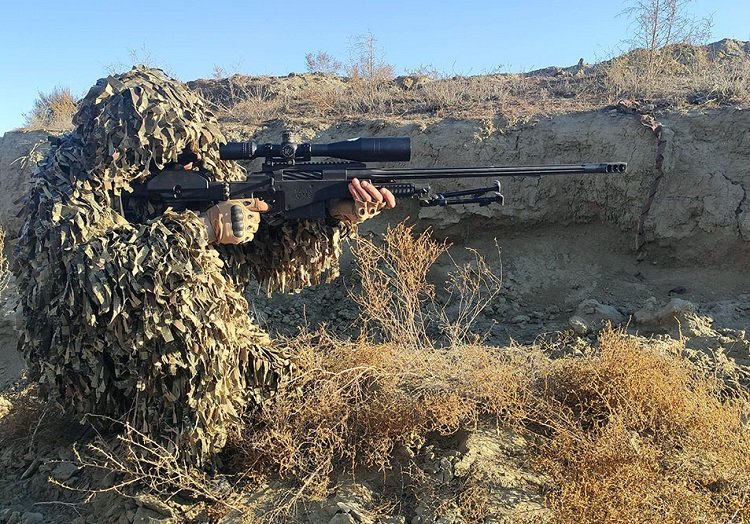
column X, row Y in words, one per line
column 71, row 44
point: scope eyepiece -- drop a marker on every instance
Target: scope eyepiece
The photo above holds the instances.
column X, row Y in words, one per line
column 237, row 150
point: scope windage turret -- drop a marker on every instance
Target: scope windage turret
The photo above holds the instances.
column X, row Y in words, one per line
column 388, row 149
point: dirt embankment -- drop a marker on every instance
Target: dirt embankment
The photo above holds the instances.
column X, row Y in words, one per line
column 567, row 239
column 698, row 209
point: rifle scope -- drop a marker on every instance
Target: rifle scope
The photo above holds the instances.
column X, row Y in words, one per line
column 357, row 149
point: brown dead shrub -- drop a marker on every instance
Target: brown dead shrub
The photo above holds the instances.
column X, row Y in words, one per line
column 643, row 436
column 399, row 302
column 355, row 402
column 259, row 104
column 395, row 290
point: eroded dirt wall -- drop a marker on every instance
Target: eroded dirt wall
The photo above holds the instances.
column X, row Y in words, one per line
column 698, row 209
column 19, row 153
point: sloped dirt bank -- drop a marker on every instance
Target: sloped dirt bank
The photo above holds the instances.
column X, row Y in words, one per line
column 564, row 240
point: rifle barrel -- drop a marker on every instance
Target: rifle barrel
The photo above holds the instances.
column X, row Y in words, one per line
column 461, row 172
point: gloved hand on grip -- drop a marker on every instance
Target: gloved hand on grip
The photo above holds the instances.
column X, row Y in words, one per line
column 233, row 221
column 367, row 202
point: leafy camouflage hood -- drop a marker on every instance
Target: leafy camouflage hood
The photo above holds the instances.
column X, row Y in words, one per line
column 141, row 120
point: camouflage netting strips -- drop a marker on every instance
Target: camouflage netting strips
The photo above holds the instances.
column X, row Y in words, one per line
column 143, row 320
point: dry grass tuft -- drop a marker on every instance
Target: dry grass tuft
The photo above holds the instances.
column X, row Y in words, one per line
column 625, row 433
column 643, row 436
column 354, row 403
column 510, row 97
column 52, row 110
column 25, row 413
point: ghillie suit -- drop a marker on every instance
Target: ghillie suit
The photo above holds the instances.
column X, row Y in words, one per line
column 142, row 320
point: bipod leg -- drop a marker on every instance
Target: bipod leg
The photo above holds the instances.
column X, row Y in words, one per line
column 453, row 198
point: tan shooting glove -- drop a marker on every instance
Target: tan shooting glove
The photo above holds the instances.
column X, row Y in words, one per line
column 354, row 211
column 233, row 221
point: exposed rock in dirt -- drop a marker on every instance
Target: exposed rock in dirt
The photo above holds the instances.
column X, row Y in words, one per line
column 681, row 319
column 591, row 316
column 677, row 311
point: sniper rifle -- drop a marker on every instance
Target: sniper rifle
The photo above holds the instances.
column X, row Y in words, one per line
column 295, row 187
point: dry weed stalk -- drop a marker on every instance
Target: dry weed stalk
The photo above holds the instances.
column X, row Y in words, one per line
column 471, row 287
column 395, row 290
column 354, row 403
column 397, row 297
column 135, row 462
